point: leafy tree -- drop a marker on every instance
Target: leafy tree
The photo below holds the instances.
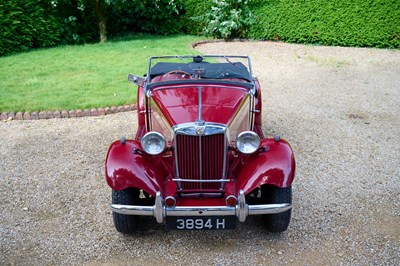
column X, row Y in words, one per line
column 228, row 19
column 153, row 15
column 100, row 8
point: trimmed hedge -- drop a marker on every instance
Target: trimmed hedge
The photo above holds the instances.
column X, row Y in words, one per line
column 359, row 23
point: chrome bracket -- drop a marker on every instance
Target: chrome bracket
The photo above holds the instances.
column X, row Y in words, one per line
column 159, row 210
column 242, row 209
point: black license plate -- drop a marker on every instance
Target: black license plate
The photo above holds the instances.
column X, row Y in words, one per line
column 200, row 223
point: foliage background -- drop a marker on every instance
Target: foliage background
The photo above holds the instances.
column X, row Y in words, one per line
column 363, row 23
column 30, row 24
column 25, row 24
column 194, row 9
column 228, row 19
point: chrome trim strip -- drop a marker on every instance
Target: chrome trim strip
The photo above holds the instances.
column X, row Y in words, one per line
column 198, row 194
column 132, row 209
column 191, row 56
column 189, row 129
column 149, row 113
column 179, row 185
column 194, row 82
column 200, row 122
column 241, row 210
column 200, row 110
column 252, row 114
column 200, row 162
column 250, row 68
column 201, row 211
column 224, row 163
column 200, row 181
column 269, row 208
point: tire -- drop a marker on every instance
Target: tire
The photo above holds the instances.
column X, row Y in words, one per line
column 273, row 195
column 126, row 224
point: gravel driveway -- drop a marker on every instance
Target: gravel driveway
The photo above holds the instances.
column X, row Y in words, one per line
column 338, row 107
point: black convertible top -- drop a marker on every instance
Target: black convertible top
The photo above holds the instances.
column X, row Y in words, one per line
column 212, row 70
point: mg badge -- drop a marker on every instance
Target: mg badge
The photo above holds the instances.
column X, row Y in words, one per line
column 200, row 130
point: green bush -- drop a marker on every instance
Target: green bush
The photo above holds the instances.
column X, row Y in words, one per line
column 77, row 20
column 228, row 19
column 26, row 24
column 362, row 23
column 191, row 18
column 160, row 17
column 40, row 23
column 80, row 23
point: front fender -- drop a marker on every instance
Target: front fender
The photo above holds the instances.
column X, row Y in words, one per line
column 275, row 165
column 127, row 166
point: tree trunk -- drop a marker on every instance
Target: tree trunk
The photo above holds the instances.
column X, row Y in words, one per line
column 102, row 20
column 103, row 30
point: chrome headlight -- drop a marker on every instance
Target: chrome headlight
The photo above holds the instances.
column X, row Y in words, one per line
column 153, row 143
column 247, row 142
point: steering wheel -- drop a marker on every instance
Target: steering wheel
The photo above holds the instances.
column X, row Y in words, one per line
column 177, row 72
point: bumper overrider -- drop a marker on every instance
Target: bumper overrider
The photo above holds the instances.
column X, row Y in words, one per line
column 241, row 210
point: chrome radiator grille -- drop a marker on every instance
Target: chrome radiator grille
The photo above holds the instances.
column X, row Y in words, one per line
column 200, row 159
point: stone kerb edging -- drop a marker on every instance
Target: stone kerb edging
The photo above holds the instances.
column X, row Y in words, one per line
column 8, row 116
column 195, row 44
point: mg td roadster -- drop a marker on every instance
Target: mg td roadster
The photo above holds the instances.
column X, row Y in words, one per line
column 199, row 159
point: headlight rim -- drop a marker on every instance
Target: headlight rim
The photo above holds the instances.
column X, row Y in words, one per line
column 146, row 136
column 241, row 135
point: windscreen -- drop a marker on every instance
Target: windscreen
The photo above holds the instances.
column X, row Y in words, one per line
column 205, row 67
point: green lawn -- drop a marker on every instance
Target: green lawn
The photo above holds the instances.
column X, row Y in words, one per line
column 80, row 77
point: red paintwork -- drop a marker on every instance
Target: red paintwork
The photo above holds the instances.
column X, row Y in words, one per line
column 172, row 105
column 125, row 169
column 180, row 105
column 276, row 166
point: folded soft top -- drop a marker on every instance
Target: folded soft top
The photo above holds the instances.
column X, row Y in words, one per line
column 212, row 70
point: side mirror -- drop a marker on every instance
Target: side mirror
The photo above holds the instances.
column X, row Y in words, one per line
column 135, row 79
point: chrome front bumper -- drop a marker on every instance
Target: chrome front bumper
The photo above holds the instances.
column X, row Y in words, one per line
column 241, row 210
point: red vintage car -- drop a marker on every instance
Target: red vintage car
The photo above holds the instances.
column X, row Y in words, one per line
column 200, row 159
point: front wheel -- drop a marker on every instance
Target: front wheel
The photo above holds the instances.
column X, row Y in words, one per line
column 274, row 195
column 126, row 224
